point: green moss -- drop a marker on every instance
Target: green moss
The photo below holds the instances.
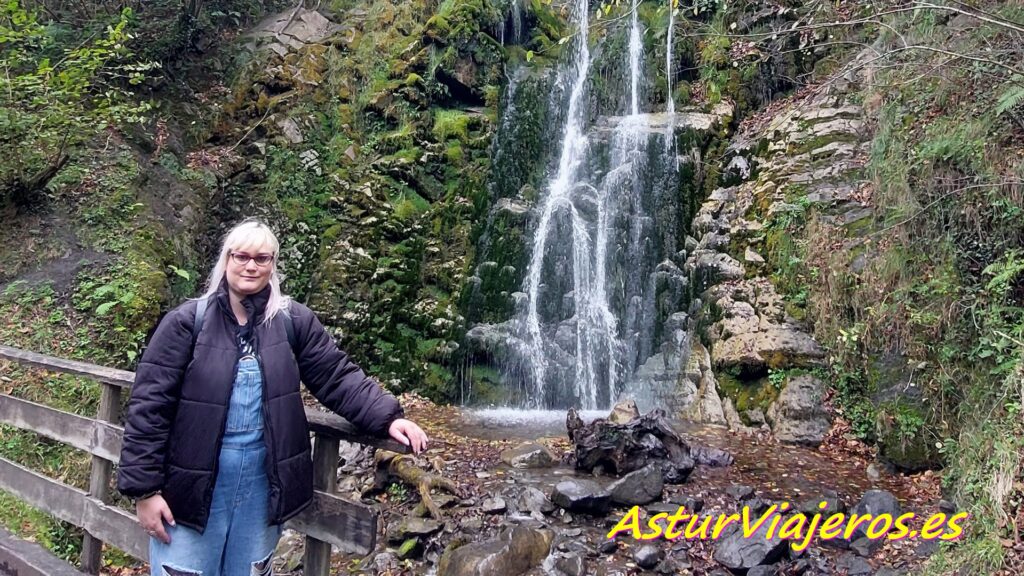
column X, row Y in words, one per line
column 747, row 395
column 451, row 124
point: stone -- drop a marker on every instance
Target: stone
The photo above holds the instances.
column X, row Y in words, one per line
column 737, row 170
column 528, row 455
column 672, row 565
column 751, row 257
column 579, row 495
column 290, row 130
column 947, row 507
column 608, row 546
column 639, row 487
column 872, row 472
column 723, row 194
column 778, row 347
column 413, row 527
column 710, row 268
column 875, row 503
column 853, row 565
column 740, row 493
column 623, row 412
column 512, row 207
column 798, row 416
column 740, row 554
column 515, row 551
column 708, row 456
column 926, row 548
column 494, row 505
column 533, row 500
column 385, row 562
column 866, row 547
column 763, row 571
column 570, row 565
column 755, row 417
column 691, row 503
column 648, row 556
column 834, row 504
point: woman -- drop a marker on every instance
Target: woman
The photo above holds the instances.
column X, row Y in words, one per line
column 216, row 446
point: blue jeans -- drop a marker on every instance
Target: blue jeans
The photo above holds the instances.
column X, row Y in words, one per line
column 238, row 540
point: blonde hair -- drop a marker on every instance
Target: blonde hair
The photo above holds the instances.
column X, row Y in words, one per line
column 248, row 236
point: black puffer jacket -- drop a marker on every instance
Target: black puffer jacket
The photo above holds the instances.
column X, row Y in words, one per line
column 178, row 409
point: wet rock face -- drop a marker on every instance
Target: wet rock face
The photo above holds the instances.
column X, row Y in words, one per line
column 513, row 552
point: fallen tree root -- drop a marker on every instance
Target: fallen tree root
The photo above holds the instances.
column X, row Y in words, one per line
column 404, row 468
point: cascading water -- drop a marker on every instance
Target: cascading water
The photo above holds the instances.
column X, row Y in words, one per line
column 589, row 312
column 670, row 101
column 574, row 143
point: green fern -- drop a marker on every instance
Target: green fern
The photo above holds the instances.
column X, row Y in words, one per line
column 1012, row 97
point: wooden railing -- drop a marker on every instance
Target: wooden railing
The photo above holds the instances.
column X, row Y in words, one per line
column 331, row 520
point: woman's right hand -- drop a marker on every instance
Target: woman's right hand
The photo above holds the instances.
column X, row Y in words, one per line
column 152, row 513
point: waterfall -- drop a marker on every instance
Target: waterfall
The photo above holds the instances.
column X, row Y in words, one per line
column 596, row 286
column 670, row 105
column 574, row 144
column 670, row 101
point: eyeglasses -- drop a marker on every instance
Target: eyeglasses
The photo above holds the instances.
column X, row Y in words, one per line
column 242, row 259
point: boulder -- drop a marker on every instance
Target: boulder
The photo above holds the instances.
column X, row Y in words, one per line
column 494, row 505
column 874, row 502
column 798, row 415
column 570, row 565
column 853, row 565
column 413, row 527
column 778, row 347
column 639, row 487
column 532, row 500
column 513, row 552
column 579, row 495
column 623, row 412
column 648, row 556
column 740, row 554
column 528, row 455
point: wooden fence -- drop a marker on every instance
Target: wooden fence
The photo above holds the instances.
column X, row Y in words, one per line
column 331, row 520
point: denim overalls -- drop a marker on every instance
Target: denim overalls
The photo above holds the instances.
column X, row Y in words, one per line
column 237, row 540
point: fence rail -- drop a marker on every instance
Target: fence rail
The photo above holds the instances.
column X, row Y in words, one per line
column 329, row 521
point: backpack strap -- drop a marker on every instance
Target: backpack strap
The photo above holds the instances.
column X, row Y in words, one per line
column 197, row 326
column 289, row 328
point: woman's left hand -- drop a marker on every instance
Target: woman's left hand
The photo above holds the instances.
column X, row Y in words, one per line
column 408, row 433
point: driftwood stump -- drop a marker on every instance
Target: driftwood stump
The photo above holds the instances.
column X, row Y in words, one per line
column 403, row 467
column 624, row 446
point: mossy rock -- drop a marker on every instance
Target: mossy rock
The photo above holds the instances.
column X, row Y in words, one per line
column 903, row 438
column 747, row 394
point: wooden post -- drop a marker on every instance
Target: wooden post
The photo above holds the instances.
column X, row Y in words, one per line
column 99, row 479
column 317, row 561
